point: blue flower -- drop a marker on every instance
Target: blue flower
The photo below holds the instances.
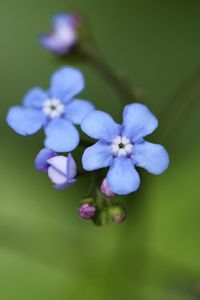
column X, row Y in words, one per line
column 122, row 147
column 64, row 34
column 56, row 110
column 61, row 170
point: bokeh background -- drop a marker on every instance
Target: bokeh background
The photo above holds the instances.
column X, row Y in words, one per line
column 46, row 251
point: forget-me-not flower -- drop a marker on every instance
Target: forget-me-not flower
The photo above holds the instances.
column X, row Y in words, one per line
column 122, row 147
column 61, row 170
column 57, row 110
column 64, row 34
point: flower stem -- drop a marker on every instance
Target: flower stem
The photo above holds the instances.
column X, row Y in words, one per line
column 92, row 189
column 118, row 82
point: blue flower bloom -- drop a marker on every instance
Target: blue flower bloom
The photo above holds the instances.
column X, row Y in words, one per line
column 61, row 170
column 56, row 110
column 122, row 147
column 64, row 34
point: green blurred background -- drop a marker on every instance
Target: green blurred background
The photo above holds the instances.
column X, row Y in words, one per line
column 46, row 251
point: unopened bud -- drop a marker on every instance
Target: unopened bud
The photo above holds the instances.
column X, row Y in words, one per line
column 117, row 213
column 87, row 211
column 105, row 189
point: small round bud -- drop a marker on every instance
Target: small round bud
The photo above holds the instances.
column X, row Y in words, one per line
column 117, row 213
column 106, row 190
column 87, row 211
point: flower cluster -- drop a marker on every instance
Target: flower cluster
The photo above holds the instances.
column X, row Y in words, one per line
column 121, row 148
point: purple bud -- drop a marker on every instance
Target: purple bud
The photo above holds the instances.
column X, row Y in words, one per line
column 86, row 211
column 106, row 190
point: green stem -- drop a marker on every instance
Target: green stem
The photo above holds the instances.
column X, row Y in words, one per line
column 94, row 190
column 93, row 186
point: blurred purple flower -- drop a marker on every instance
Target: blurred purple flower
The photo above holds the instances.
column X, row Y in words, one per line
column 61, row 170
column 64, row 34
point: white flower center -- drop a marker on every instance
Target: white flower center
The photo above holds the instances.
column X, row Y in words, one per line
column 121, row 145
column 53, row 108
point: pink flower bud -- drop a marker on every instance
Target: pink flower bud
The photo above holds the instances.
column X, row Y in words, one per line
column 87, row 211
column 106, row 190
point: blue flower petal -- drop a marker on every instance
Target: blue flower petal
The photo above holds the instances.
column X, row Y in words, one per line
column 65, row 185
column 71, row 167
column 25, row 121
column 62, row 136
column 100, row 125
column 35, row 98
column 77, row 110
column 66, row 83
column 122, row 177
column 138, row 121
column 41, row 163
column 97, row 156
column 57, row 172
column 59, row 164
column 152, row 157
